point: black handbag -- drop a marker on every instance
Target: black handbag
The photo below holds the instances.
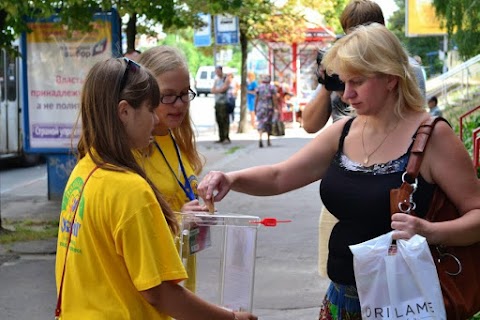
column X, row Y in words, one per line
column 278, row 128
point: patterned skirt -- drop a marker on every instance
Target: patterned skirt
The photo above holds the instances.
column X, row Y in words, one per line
column 340, row 303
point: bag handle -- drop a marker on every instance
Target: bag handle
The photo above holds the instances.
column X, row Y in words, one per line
column 401, row 199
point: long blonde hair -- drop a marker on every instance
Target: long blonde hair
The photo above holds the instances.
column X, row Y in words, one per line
column 371, row 50
column 160, row 60
column 103, row 135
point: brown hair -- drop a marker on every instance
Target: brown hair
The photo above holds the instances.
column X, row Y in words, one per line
column 359, row 12
column 374, row 50
column 103, row 134
column 160, row 60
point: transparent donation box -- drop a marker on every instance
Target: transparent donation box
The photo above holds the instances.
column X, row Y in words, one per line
column 225, row 249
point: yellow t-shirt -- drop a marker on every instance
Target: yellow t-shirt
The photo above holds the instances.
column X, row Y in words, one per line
column 121, row 244
column 163, row 178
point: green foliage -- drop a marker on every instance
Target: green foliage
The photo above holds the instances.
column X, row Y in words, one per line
column 330, row 10
column 462, row 19
column 470, row 123
column 77, row 15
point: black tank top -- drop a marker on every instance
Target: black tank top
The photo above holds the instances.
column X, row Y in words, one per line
column 359, row 197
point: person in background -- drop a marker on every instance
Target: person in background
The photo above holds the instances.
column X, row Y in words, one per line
column 232, row 94
column 325, row 103
column 132, row 54
column 266, row 103
column 172, row 161
column 220, row 88
column 360, row 159
column 115, row 226
column 418, row 59
column 251, row 94
column 433, row 107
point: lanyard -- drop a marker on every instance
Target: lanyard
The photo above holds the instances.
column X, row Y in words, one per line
column 187, row 188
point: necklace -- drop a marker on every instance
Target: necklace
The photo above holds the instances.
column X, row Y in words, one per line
column 368, row 155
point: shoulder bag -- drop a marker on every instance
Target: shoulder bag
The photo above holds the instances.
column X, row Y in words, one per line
column 458, row 267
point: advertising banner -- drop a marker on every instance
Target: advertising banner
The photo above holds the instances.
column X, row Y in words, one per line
column 54, row 68
column 202, row 36
column 421, row 19
column 226, row 30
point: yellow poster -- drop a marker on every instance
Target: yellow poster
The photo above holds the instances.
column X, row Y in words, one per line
column 421, row 19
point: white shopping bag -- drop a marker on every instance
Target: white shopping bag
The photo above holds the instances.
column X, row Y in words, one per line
column 403, row 286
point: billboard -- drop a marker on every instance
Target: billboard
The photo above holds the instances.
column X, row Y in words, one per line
column 421, row 19
column 54, row 68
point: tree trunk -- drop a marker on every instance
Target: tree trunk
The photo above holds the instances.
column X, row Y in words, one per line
column 3, row 230
column 131, row 31
column 243, row 124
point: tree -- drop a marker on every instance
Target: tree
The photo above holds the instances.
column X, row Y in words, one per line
column 462, row 18
column 77, row 15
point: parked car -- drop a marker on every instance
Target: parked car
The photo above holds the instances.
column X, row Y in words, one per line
column 205, row 78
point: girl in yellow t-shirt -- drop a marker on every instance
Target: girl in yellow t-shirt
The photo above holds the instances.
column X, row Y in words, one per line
column 116, row 258
column 173, row 162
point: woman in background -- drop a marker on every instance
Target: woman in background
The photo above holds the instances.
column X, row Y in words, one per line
column 251, row 93
column 266, row 103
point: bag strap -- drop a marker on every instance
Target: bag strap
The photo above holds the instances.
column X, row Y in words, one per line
column 58, row 309
column 422, row 136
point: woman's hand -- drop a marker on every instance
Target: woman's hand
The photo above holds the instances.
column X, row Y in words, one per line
column 244, row 316
column 214, row 181
column 194, row 206
column 406, row 226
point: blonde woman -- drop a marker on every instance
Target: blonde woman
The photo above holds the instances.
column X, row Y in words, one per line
column 359, row 159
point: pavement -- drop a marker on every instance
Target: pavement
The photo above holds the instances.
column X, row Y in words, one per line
column 287, row 285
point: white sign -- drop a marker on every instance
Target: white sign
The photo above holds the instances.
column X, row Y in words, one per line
column 202, row 36
column 226, row 29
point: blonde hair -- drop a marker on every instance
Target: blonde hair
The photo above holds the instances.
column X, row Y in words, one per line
column 103, row 134
column 372, row 50
column 160, row 60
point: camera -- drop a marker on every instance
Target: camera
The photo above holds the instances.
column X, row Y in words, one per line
column 331, row 83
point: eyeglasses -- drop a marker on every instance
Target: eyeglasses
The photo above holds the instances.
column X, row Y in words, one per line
column 185, row 97
column 131, row 65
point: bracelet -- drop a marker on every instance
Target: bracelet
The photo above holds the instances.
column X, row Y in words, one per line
column 234, row 316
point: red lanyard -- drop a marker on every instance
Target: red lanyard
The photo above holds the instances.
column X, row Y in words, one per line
column 77, row 204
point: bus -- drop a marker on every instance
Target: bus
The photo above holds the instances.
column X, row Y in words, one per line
column 11, row 111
